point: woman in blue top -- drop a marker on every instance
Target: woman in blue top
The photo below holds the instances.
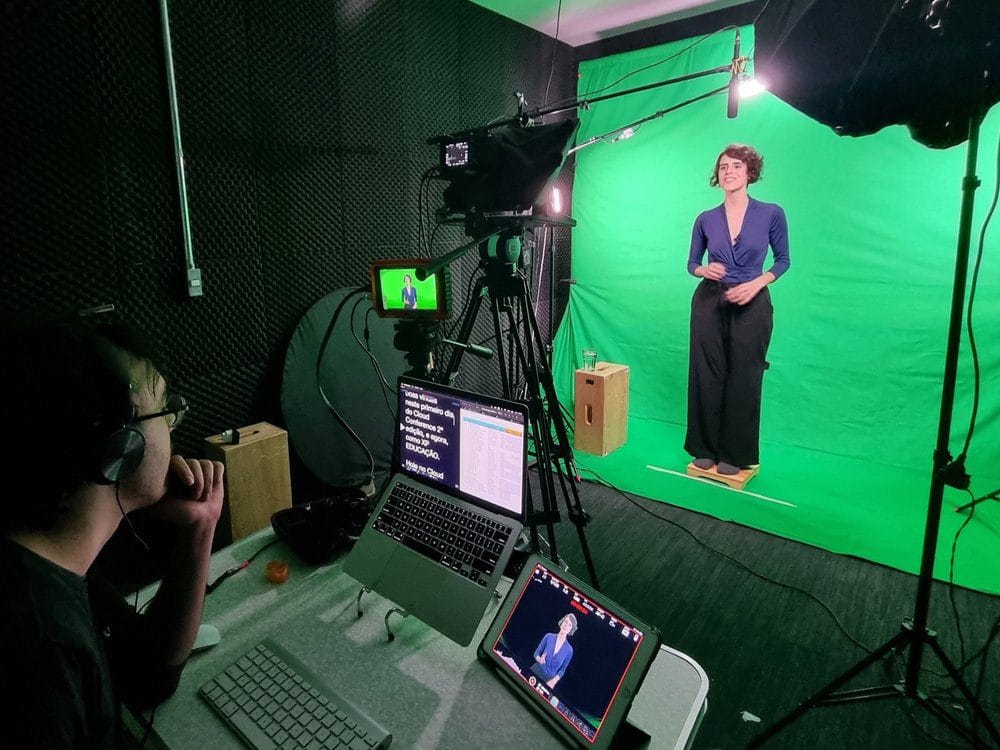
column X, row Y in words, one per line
column 554, row 652
column 409, row 293
column 731, row 315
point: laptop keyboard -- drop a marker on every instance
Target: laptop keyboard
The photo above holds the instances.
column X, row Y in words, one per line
column 273, row 701
column 458, row 538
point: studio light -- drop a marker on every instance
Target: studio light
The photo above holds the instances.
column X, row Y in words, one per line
column 750, row 87
column 555, row 201
column 925, row 64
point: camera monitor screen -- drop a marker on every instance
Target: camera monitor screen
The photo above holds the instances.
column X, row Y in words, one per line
column 575, row 656
column 398, row 293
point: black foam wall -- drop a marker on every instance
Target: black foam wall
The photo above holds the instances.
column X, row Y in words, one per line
column 304, row 126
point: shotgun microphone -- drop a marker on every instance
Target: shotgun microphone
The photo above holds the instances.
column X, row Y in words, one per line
column 734, row 80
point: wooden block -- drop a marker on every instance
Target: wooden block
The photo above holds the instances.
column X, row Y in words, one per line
column 600, row 400
column 258, row 480
column 736, row 481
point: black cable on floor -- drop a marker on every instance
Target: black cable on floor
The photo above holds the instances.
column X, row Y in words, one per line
column 736, row 562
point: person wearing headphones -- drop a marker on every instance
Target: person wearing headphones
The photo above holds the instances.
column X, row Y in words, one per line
column 88, row 417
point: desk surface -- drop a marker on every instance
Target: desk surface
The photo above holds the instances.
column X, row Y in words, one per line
column 428, row 691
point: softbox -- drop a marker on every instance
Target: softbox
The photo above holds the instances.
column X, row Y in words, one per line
column 859, row 66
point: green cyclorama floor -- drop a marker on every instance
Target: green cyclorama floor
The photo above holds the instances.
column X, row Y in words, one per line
column 852, row 507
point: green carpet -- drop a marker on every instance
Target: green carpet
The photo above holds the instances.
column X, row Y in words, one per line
column 844, row 505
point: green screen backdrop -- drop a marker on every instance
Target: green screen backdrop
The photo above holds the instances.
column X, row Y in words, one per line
column 853, row 393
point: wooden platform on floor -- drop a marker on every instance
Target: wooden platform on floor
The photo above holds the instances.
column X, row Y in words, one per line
column 736, row 481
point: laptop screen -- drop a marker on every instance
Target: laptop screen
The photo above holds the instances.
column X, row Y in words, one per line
column 463, row 441
column 572, row 653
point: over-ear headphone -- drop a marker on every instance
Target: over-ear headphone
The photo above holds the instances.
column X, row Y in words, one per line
column 119, row 453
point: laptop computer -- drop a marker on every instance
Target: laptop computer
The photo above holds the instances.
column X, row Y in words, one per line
column 447, row 523
column 573, row 654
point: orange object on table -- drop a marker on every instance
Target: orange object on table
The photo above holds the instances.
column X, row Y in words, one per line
column 276, row 571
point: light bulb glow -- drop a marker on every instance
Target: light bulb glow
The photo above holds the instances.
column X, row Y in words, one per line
column 751, row 87
column 555, row 201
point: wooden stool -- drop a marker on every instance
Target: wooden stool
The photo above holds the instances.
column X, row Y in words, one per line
column 736, row 481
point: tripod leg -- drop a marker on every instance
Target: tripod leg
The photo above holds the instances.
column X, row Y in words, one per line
column 508, row 294
column 538, row 437
column 464, row 332
column 951, row 722
column 506, row 378
column 956, row 677
column 819, row 698
column 541, row 434
column 580, row 519
column 561, row 450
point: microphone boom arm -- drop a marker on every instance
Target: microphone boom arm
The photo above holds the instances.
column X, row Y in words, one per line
column 584, row 103
column 654, row 116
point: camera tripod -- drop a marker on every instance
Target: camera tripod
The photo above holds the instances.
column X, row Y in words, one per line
column 509, row 302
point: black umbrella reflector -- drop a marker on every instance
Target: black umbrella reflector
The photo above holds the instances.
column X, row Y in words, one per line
column 861, row 65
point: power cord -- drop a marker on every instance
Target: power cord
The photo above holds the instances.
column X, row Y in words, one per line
column 128, row 521
column 973, row 285
column 319, row 382
column 976, row 387
column 424, row 179
column 236, row 569
column 733, row 560
column 951, row 583
column 980, row 654
column 552, row 57
column 366, row 347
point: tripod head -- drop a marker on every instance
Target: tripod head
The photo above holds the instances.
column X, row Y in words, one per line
column 417, row 339
column 503, row 254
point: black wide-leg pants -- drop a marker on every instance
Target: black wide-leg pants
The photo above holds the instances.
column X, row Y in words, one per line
column 726, row 373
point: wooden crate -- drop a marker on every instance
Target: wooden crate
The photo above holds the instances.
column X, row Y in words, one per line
column 601, row 408
column 258, row 482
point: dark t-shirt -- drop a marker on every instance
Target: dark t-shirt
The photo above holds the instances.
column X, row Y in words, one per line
column 72, row 653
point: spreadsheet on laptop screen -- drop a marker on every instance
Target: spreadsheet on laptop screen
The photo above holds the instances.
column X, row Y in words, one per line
column 462, row 441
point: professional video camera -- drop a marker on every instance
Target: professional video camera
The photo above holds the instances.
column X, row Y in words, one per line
column 497, row 175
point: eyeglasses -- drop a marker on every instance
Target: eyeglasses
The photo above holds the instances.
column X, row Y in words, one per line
column 176, row 408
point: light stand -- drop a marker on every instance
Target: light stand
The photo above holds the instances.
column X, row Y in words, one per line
column 915, row 635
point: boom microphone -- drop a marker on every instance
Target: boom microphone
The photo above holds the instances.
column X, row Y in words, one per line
column 734, row 81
